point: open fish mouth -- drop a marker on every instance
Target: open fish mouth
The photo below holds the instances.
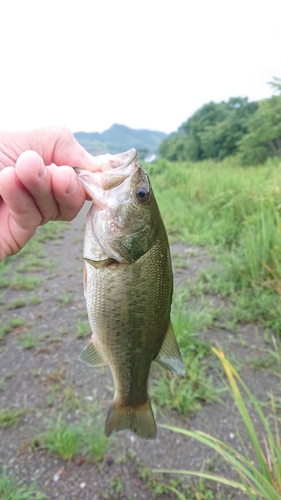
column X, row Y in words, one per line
column 113, row 170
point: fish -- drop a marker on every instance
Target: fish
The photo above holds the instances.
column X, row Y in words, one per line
column 128, row 287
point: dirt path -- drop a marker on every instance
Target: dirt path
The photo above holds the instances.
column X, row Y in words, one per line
column 42, row 380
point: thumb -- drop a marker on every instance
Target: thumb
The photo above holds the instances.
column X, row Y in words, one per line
column 68, row 151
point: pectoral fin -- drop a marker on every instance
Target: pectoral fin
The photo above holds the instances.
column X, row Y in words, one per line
column 99, row 263
column 90, row 355
column 169, row 355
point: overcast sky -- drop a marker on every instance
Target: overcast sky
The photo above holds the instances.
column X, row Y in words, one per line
column 146, row 64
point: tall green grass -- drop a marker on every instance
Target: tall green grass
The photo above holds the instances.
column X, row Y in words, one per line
column 259, row 471
column 233, row 210
column 209, row 202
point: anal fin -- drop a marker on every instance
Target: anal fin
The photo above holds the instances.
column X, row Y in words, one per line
column 169, row 355
column 91, row 356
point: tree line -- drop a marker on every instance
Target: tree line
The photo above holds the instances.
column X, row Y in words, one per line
column 251, row 130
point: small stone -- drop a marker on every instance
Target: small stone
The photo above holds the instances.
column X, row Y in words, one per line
column 231, row 435
column 82, row 485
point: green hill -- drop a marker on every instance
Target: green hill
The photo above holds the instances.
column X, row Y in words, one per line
column 119, row 138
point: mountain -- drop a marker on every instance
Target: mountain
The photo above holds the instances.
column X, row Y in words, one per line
column 119, row 138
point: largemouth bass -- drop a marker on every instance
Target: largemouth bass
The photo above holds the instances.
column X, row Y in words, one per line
column 128, row 286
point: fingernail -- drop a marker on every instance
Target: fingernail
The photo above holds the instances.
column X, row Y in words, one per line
column 42, row 172
column 72, row 186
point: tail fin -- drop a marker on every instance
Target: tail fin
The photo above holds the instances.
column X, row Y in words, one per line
column 139, row 420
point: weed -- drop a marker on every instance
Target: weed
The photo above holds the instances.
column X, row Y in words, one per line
column 186, row 394
column 83, row 330
column 53, row 394
column 95, row 440
column 259, row 478
column 4, row 282
column 64, row 298
column 19, row 282
column 17, row 303
column 10, row 417
column 11, row 489
column 51, row 231
column 27, row 341
column 34, row 299
column 4, row 329
column 70, row 399
column 115, row 489
column 3, row 380
column 61, row 437
column 17, row 322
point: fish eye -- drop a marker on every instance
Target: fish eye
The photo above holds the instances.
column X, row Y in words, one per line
column 142, row 194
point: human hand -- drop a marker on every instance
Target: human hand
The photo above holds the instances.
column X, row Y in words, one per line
column 38, row 183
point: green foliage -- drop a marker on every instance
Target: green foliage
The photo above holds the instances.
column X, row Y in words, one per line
column 83, row 330
column 11, row 489
column 263, row 139
column 27, row 341
column 61, row 437
column 10, row 417
column 67, row 439
column 186, row 394
column 259, row 478
column 236, row 212
column 213, row 131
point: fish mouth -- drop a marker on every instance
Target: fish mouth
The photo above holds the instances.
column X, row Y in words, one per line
column 113, row 170
column 121, row 160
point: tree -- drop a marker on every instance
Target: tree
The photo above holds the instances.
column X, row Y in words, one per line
column 263, row 139
column 213, row 131
column 173, row 148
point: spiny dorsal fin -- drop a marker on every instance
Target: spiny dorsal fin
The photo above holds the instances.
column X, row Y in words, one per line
column 169, row 355
column 90, row 355
column 100, row 263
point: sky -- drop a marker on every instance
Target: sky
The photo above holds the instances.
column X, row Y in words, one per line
column 88, row 64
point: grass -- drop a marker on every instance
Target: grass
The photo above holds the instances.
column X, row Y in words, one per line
column 186, row 394
column 17, row 303
column 83, row 330
column 27, row 341
column 60, row 437
column 34, row 299
column 67, row 439
column 64, row 298
column 259, row 472
column 17, row 322
column 4, row 329
column 12, row 489
column 235, row 211
column 23, row 282
column 10, row 417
